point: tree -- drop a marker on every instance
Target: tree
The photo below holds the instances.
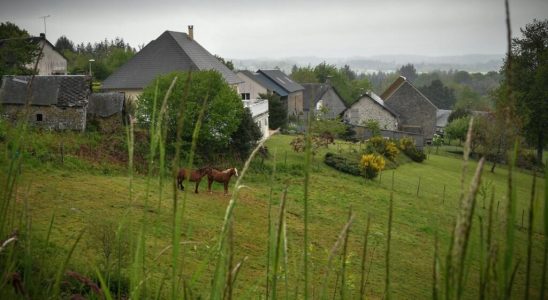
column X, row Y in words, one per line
column 17, row 50
column 303, row 74
column 63, row 44
column 458, row 113
column 227, row 63
column 457, row 129
column 245, row 138
column 277, row 111
column 443, row 97
column 223, row 110
column 409, row 72
column 529, row 82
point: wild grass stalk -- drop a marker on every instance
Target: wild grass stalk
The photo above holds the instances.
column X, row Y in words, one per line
column 510, row 231
column 545, row 215
column 530, row 237
column 220, row 265
column 56, row 290
column 332, row 254
column 387, row 254
column 308, row 153
column 270, row 233
column 364, row 258
column 344, row 258
column 278, row 244
column 435, row 270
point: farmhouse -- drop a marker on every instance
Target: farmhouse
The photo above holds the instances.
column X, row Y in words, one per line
column 324, row 98
column 51, row 62
column 55, row 102
column 171, row 51
column 106, row 111
column 371, row 107
column 416, row 113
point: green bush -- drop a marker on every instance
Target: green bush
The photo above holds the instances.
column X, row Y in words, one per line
column 343, row 164
column 407, row 146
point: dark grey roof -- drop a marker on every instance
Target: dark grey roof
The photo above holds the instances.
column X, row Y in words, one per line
column 171, row 51
column 312, row 93
column 105, row 104
column 266, row 83
column 282, row 80
column 59, row 90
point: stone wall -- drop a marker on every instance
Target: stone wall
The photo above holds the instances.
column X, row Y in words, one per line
column 414, row 109
column 366, row 109
column 48, row 117
column 108, row 124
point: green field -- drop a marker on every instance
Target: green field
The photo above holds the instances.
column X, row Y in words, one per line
column 81, row 199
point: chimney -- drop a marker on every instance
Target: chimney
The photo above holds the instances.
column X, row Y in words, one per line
column 43, row 35
column 191, row 32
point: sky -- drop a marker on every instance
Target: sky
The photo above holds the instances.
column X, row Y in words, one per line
column 241, row 29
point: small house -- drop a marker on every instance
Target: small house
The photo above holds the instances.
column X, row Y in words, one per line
column 106, row 111
column 322, row 98
column 371, row 107
column 416, row 112
column 53, row 102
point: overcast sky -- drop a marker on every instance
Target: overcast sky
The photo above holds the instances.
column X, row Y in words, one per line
column 287, row 28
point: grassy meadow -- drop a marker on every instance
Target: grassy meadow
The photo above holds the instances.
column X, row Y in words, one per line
column 58, row 202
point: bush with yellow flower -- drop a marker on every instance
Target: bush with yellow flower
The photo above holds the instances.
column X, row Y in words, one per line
column 372, row 164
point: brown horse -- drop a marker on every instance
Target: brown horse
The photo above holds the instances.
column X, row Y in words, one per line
column 221, row 176
column 192, row 175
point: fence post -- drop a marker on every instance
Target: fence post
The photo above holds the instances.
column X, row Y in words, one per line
column 443, row 197
column 419, row 186
column 393, row 180
column 62, row 153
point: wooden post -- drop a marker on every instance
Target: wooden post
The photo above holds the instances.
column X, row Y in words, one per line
column 62, row 153
column 393, row 180
column 419, row 186
column 443, row 196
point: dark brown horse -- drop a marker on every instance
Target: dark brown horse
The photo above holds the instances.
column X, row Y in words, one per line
column 221, row 176
column 192, row 175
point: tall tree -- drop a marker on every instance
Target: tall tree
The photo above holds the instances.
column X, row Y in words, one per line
column 17, row 50
column 64, row 44
column 245, row 138
column 443, row 97
column 529, row 84
column 277, row 111
column 409, row 72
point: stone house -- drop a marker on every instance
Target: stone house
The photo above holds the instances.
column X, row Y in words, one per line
column 106, row 111
column 415, row 111
column 371, row 107
column 322, row 97
column 171, row 51
column 54, row 102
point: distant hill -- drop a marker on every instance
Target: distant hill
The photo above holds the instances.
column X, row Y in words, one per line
column 386, row 63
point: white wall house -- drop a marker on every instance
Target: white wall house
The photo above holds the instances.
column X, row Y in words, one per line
column 51, row 62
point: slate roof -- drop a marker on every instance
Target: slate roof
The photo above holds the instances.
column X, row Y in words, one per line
column 105, row 104
column 265, row 82
column 442, row 116
column 281, row 79
column 171, row 51
column 59, row 90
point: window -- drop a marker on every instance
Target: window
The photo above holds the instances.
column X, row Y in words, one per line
column 39, row 117
column 245, row 96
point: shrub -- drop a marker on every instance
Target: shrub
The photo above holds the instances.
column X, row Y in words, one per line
column 407, row 146
column 372, row 164
column 382, row 146
column 343, row 164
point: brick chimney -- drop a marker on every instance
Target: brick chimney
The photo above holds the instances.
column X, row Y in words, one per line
column 191, row 32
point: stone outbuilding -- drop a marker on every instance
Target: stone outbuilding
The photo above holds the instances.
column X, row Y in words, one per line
column 371, row 107
column 54, row 102
column 415, row 111
column 322, row 97
column 106, row 111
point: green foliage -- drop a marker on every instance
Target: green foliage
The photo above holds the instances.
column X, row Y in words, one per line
column 382, row 146
column 228, row 63
column 372, row 164
column 442, row 96
column 245, row 138
column 16, row 50
column 373, row 126
column 222, row 115
column 408, row 147
column 529, row 75
column 458, row 113
column 409, row 72
column 343, row 164
column 64, row 44
column 457, row 129
column 277, row 111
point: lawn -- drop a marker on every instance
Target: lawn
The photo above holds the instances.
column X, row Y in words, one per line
column 100, row 203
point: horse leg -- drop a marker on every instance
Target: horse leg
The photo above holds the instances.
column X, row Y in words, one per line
column 209, row 182
column 197, row 184
column 226, row 188
column 180, row 183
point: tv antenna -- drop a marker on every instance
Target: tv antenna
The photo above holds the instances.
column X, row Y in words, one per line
column 44, row 18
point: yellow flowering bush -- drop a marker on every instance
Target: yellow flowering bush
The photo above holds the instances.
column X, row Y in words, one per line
column 372, row 164
column 382, row 146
